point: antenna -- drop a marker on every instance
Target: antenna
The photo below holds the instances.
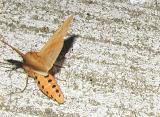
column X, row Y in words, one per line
column 19, row 52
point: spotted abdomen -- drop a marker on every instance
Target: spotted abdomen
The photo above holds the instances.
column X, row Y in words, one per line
column 49, row 86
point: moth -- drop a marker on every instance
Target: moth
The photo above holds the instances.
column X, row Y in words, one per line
column 43, row 65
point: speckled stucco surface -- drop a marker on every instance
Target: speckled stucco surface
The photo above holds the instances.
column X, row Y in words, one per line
column 113, row 69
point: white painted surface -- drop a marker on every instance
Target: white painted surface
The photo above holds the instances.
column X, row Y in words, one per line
column 113, row 69
column 137, row 1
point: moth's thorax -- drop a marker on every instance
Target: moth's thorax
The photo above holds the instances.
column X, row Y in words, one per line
column 33, row 61
column 31, row 58
column 29, row 71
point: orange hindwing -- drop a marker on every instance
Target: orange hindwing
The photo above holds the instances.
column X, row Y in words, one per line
column 49, row 86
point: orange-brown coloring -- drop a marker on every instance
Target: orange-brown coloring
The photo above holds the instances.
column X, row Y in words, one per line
column 49, row 86
column 39, row 64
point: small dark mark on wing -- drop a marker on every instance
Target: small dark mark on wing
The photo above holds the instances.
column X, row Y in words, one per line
column 50, row 80
column 38, row 82
column 42, row 87
column 53, row 86
column 57, row 91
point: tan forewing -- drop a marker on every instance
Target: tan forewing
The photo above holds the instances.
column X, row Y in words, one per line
column 41, row 62
column 49, row 53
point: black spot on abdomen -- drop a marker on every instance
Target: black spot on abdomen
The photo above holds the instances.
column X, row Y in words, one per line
column 57, row 91
column 53, row 86
column 50, row 80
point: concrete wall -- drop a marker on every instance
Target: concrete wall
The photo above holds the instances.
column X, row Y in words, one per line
column 113, row 70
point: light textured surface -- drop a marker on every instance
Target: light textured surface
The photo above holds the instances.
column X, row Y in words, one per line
column 113, row 70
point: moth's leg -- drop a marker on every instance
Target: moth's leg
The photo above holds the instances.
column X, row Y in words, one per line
column 56, row 65
column 16, row 63
column 59, row 79
column 6, row 67
column 12, row 69
column 21, row 90
column 25, row 86
column 3, row 65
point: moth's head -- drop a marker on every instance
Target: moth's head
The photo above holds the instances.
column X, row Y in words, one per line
column 33, row 61
column 29, row 57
